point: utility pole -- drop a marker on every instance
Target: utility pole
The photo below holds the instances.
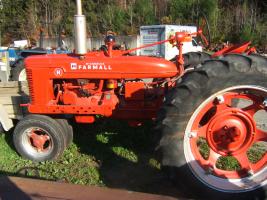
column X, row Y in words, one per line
column 1, row 8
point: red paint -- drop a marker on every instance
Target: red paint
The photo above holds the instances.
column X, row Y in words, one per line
column 57, row 91
column 135, row 91
column 240, row 48
column 229, row 132
column 85, row 119
column 38, row 141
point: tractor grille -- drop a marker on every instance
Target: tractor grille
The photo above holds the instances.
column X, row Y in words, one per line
column 30, row 85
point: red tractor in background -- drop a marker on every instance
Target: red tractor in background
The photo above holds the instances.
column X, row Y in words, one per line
column 189, row 106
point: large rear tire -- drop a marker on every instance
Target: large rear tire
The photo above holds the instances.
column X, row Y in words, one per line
column 203, row 129
column 193, row 59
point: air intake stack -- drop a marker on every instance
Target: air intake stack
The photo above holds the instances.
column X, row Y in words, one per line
column 80, row 31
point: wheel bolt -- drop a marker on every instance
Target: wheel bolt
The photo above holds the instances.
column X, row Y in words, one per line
column 192, row 135
column 220, row 99
column 250, row 173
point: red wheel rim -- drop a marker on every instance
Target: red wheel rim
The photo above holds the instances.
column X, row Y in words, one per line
column 39, row 140
column 229, row 131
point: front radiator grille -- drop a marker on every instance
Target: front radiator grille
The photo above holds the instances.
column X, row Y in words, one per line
column 30, row 85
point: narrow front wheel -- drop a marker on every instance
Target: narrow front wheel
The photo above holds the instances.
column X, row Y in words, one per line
column 39, row 138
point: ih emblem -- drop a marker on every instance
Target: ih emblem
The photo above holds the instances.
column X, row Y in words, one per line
column 58, row 72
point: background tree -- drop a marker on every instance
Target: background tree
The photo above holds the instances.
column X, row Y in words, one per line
column 230, row 20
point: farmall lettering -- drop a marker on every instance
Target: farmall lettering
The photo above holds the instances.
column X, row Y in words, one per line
column 90, row 66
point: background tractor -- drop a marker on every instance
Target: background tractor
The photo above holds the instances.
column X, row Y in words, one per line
column 15, row 56
column 193, row 108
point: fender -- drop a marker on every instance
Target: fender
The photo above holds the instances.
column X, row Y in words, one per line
column 5, row 121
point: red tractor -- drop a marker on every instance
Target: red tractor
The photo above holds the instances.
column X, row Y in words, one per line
column 190, row 107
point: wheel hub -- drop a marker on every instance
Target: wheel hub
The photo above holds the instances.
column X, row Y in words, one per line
column 39, row 141
column 230, row 132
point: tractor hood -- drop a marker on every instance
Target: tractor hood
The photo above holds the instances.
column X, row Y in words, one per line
column 96, row 65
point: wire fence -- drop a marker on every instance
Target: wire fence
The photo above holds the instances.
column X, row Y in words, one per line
column 93, row 43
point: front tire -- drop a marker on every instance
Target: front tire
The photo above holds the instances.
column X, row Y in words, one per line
column 200, row 124
column 39, row 138
column 68, row 130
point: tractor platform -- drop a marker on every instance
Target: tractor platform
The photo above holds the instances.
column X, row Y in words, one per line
column 12, row 94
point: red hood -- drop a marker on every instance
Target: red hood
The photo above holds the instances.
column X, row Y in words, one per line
column 95, row 65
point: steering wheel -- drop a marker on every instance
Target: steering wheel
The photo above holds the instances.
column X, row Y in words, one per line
column 203, row 28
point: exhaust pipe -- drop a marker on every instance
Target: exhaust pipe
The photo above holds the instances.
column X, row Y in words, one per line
column 80, row 30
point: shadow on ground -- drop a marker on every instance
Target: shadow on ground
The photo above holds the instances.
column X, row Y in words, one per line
column 138, row 174
column 130, row 166
column 125, row 160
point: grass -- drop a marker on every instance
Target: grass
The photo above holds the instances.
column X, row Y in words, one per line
column 107, row 153
column 99, row 153
column 72, row 167
column 230, row 163
column 257, row 151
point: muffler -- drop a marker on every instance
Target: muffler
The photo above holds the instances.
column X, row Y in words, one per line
column 80, row 30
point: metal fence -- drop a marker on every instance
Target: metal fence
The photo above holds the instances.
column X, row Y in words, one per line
column 93, row 43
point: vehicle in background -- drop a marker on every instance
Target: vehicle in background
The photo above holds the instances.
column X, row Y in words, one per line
column 4, row 65
column 156, row 33
column 16, row 54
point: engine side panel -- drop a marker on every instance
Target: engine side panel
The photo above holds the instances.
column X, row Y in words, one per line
column 55, row 87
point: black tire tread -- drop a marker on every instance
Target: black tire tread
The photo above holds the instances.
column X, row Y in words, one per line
column 68, row 130
column 193, row 59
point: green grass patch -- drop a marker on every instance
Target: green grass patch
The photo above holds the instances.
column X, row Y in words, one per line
column 228, row 163
column 203, row 148
column 97, row 153
column 72, row 167
column 107, row 153
column 125, row 153
column 257, row 151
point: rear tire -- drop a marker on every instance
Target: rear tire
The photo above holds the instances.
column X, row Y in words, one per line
column 39, row 138
column 193, row 59
column 185, row 119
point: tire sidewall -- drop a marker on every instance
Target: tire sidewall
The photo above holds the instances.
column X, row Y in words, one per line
column 68, row 130
column 53, row 130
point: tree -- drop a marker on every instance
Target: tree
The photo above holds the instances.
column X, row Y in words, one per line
column 144, row 12
column 233, row 20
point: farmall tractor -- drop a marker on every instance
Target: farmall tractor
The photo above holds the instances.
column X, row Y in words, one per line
column 190, row 107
